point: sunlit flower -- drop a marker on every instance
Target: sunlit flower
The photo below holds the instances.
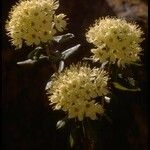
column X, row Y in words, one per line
column 74, row 91
column 34, row 22
column 115, row 40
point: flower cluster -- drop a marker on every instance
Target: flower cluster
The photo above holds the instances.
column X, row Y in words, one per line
column 116, row 40
column 74, row 91
column 34, row 22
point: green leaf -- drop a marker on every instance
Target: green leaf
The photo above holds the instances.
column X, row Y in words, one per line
column 71, row 140
column 136, row 64
column 70, row 51
column 121, row 87
column 63, row 38
column 131, row 81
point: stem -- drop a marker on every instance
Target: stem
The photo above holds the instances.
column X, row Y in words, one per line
column 49, row 53
column 54, row 67
column 84, row 131
column 87, row 140
column 107, row 117
column 47, row 50
column 103, row 101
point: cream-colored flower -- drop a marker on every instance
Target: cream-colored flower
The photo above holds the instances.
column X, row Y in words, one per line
column 116, row 40
column 60, row 22
column 92, row 108
column 75, row 89
column 76, row 111
column 34, row 21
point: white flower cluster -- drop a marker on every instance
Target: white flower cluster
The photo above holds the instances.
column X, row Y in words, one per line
column 74, row 91
column 34, row 22
column 116, row 41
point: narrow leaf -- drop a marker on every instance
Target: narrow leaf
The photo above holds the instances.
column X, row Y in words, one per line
column 104, row 64
column 48, row 85
column 60, row 124
column 121, row 87
column 63, row 38
column 70, row 51
column 32, row 53
column 71, row 140
column 61, row 66
column 37, row 54
column 32, row 62
column 86, row 58
column 131, row 81
column 136, row 64
column 28, row 61
column 42, row 57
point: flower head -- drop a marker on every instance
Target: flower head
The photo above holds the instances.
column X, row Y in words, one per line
column 115, row 40
column 32, row 21
column 74, row 91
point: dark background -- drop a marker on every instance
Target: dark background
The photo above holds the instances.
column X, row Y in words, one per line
column 28, row 122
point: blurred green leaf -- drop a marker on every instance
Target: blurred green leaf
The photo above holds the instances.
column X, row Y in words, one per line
column 121, row 87
column 128, row 81
column 136, row 64
column 131, row 81
column 120, row 76
column 71, row 140
column 70, row 51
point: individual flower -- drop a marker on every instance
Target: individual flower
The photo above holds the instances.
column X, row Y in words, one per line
column 34, row 22
column 75, row 91
column 60, row 22
column 115, row 40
